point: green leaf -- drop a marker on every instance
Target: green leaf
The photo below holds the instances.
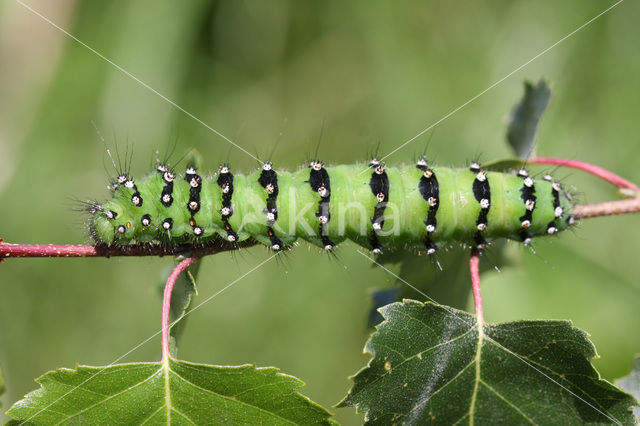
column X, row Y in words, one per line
column 631, row 384
column 183, row 291
column 525, row 117
column 435, row 364
column 176, row 392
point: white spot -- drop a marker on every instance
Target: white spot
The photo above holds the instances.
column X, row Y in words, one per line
column 548, row 178
column 226, row 211
column 328, row 247
column 431, row 250
column 377, row 226
column 275, row 247
column 377, row 251
column 529, row 205
column 266, row 166
column 129, row 184
column 197, row 231
column 316, row 165
column 482, row 226
column 481, row 176
column 380, row 197
column 323, row 191
column 527, row 241
column 374, row 162
column 379, row 170
column 323, row 219
column 135, row 200
column 523, row 173
column 108, row 214
column 194, row 183
column 428, row 173
column 190, row 171
column 475, row 167
column 166, row 225
column 558, row 211
column 552, row 230
column 431, row 228
column 168, row 177
column 271, row 217
column 571, row 220
column 225, row 188
column 484, row 203
column 166, row 198
column 231, row 238
column 269, row 188
column 122, row 229
column 422, row 162
column 146, row 221
column 122, row 179
column 528, row 182
column 432, row 201
column 556, row 186
column 193, row 205
column 224, row 170
column 526, row 224
column 162, row 168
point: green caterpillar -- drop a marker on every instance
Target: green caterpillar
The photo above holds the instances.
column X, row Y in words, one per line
column 415, row 206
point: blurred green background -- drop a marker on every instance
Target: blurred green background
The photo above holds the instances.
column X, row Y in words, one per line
column 375, row 73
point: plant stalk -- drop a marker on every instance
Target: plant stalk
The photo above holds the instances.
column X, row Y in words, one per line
column 166, row 301
column 474, row 269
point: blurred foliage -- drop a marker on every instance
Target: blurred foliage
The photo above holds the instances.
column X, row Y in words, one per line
column 525, row 117
column 375, row 73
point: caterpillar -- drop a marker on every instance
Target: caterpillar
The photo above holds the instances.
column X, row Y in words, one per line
column 415, row 206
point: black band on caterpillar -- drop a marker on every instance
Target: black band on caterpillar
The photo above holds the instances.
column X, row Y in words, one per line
column 379, row 185
column 320, row 183
column 166, row 198
column 482, row 193
column 193, row 205
column 430, row 191
column 552, row 227
column 527, row 194
column 225, row 181
column 269, row 181
column 136, row 198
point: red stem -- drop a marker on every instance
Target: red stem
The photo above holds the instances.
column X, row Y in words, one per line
column 166, row 301
column 8, row 250
column 589, row 168
column 474, row 269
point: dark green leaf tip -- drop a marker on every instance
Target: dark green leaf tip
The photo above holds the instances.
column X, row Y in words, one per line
column 525, row 117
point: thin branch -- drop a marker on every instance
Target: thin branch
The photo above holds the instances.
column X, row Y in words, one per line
column 610, row 177
column 8, row 250
column 474, row 269
column 166, row 301
column 608, row 208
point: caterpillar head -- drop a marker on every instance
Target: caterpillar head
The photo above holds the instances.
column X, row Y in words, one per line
column 109, row 224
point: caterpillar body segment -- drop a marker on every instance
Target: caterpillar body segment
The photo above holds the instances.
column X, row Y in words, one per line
column 384, row 207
